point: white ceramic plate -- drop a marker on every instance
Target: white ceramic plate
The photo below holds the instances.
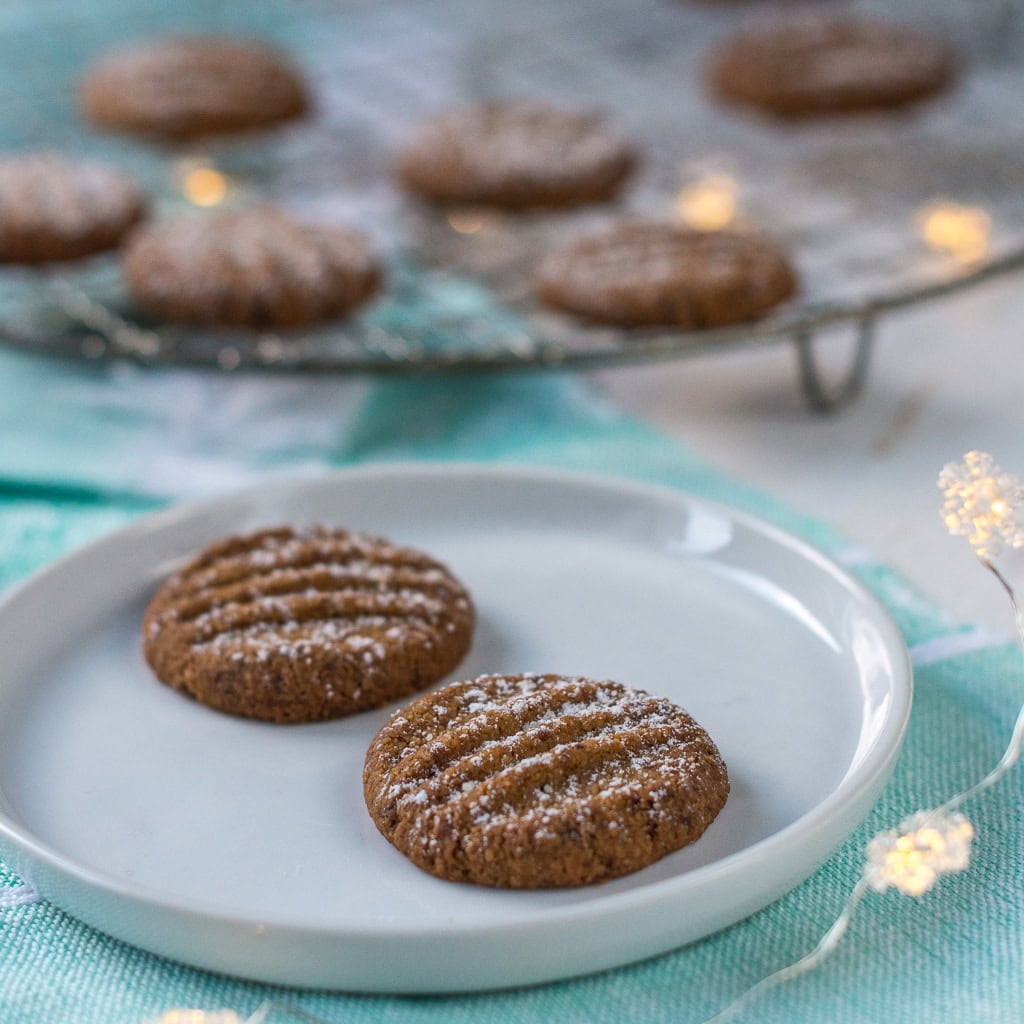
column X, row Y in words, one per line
column 245, row 848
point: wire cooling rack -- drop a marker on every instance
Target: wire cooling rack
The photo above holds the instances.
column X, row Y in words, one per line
column 878, row 212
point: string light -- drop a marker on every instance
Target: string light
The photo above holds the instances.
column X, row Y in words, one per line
column 197, row 1017
column 949, row 227
column 914, row 856
column 709, row 203
column 471, row 221
column 265, row 1013
column 982, row 503
column 202, row 184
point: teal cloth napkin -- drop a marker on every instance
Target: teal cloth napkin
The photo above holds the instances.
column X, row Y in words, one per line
column 956, row 955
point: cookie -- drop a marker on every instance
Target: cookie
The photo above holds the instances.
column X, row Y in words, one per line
column 184, row 87
column 536, row 781
column 57, row 209
column 640, row 273
column 293, row 625
column 249, row 268
column 517, row 156
column 820, row 66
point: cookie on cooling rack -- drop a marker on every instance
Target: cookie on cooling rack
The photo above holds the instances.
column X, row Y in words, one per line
column 52, row 208
column 300, row 625
column 638, row 273
column 516, row 155
column 825, row 65
column 183, row 87
column 256, row 267
column 536, row 781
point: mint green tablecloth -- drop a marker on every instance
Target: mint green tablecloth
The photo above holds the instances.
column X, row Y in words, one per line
column 82, row 451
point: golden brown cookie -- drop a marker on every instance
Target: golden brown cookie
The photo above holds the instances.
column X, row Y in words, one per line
column 57, row 209
column 298, row 625
column 822, row 65
column 252, row 268
column 536, row 781
column 183, row 87
column 516, row 155
column 648, row 273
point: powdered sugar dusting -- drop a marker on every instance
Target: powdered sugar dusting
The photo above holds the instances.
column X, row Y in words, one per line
column 526, row 150
column 297, row 596
column 248, row 265
column 43, row 192
column 511, row 764
column 662, row 266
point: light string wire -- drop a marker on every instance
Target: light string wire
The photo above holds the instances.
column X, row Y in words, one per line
column 985, row 505
column 808, row 962
column 1013, row 750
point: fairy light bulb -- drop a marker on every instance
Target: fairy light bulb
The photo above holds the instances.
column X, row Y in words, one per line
column 470, row 221
column 914, row 856
column 202, row 184
column 709, row 203
column 190, row 1016
column 960, row 231
column 982, row 503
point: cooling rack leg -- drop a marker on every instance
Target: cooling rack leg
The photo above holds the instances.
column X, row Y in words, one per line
column 820, row 396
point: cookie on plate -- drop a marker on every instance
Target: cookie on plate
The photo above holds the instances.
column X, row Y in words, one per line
column 184, row 87
column 256, row 267
column 823, row 65
column 52, row 208
column 638, row 273
column 536, row 781
column 299, row 625
column 516, row 155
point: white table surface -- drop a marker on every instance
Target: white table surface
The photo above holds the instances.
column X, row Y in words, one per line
column 944, row 379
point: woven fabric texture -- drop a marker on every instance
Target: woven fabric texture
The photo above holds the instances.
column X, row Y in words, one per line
column 956, row 954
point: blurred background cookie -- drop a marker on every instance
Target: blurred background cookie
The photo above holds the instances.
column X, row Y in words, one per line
column 827, row 65
column 52, row 208
column 651, row 272
column 255, row 267
column 516, row 155
column 534, row 781
column 189, row 86
column 298, row 625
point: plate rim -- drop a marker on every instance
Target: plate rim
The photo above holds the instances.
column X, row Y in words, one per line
column 869, row 775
